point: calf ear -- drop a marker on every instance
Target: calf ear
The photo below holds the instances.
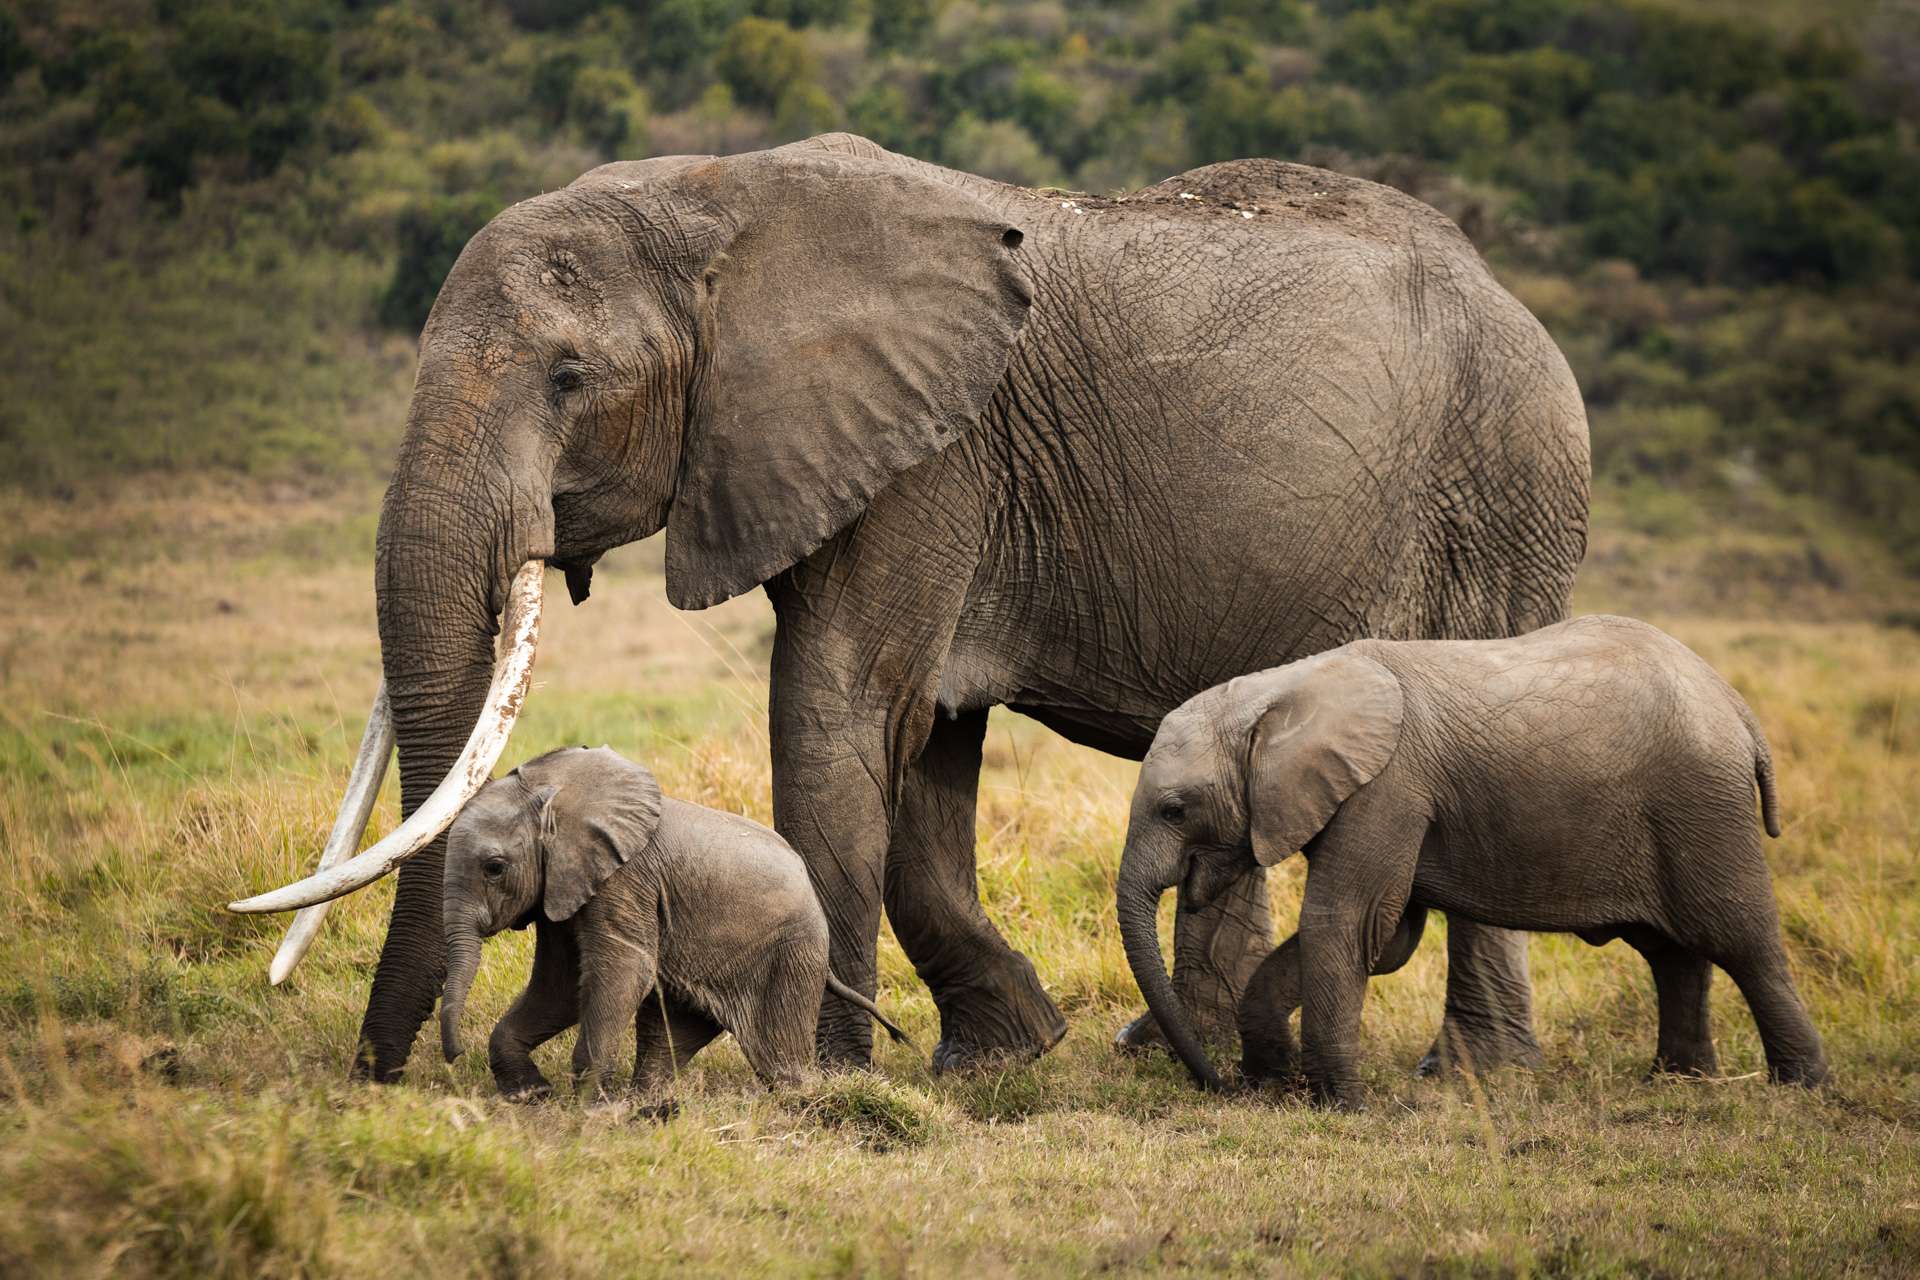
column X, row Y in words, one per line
column 1332, row 725
column 597, row 810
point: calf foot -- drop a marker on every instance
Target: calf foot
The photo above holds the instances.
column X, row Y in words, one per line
column 1337, row 1095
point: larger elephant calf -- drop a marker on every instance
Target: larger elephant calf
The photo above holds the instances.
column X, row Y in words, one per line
column 981, row 446
column 1595, row 777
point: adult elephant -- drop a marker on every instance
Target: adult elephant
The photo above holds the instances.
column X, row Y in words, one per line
column 982, row 446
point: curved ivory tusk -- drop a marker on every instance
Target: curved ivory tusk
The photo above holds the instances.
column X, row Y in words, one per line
column 511, row 675
column 363, row 788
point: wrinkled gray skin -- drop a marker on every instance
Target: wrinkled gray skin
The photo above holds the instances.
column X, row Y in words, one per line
column 652, row 916
column 980, row 449
column 1595, row 777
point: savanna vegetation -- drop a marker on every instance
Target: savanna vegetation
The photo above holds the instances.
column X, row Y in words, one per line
column 220, row 227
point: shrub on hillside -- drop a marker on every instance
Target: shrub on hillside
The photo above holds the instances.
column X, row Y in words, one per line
column 431, row 236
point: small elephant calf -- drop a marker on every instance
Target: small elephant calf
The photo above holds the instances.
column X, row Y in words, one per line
column 1594, row 777
column 668, row 919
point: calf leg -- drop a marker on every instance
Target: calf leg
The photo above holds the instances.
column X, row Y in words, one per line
column 1682, row 978
column 548, row 1006
column 1267, row 1051
column 1794, row 1052
column 779, row 1013
column 615, row 975
column 667, row 1033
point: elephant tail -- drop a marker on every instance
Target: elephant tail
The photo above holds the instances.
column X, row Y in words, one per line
column 1762, row 769
column 851, row 996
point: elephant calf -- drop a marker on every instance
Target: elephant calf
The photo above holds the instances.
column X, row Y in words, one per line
column 706, row 917
column 1594, row 777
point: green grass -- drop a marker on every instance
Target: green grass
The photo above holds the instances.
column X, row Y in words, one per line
column 163, row 1112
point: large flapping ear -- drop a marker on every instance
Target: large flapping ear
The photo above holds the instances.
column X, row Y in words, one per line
column 598, row 809
column 857, row 322
column 1332, row 725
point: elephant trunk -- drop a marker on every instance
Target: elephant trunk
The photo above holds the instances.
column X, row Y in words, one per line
column 445, row 555
column 462, row 540
column 1147, row 870
column 463, row 961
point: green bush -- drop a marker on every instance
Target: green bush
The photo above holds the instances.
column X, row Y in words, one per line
column 763, row 61
column 431, row 236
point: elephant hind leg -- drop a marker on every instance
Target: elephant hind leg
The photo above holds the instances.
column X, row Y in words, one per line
column 1795, row 1054
column 1682, row 979
column 992, row 1006
column 777, row 1016
column 1489, row 1014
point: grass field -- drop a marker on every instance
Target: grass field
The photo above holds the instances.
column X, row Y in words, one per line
column 181, row 681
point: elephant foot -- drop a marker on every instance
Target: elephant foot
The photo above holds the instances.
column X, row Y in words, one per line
column 527, row 1091
column 1349, row 1103
column 843, row 1043
column 1480, row 1047
column 1806, row 1072
column 1267, row 1065
column 1142, row 1035
column 370, row 1066
column 1696, row 1065
column 983, row 1027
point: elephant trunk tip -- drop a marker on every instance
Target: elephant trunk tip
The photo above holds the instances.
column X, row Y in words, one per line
column 450, row 1035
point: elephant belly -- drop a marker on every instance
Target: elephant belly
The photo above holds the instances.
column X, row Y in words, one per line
column 1537, row 882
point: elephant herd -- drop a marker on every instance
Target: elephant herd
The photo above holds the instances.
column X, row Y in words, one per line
column 1256, row 474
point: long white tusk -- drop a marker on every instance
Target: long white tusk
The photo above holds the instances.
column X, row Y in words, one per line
column 363, row 788
column 508, row 693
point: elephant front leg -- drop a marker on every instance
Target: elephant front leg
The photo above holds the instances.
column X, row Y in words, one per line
column 834, row 814
column 1489, row 1015
column 1267, row 1049
column 615, row 975
column 992, row 1006
column 1215, row 954
column 548, row 1006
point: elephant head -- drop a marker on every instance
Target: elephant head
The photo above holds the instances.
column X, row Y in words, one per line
column 741, row 350
column 542, row 839
column 1247, row 772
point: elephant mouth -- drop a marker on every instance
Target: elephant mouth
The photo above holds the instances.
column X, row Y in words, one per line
column 339, row 874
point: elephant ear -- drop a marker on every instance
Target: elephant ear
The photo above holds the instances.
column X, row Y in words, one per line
column 599, row 810
column 1331, row 727
column 856, row 322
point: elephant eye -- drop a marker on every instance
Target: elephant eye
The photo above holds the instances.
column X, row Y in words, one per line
column 1173, row 811
column 494, row 868
column 568, row 375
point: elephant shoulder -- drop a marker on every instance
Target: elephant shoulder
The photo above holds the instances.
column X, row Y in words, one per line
column 633, row 171
column 852, row 144
column 1303, row 194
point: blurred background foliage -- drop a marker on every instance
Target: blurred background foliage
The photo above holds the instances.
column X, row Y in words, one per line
column 222, row 223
